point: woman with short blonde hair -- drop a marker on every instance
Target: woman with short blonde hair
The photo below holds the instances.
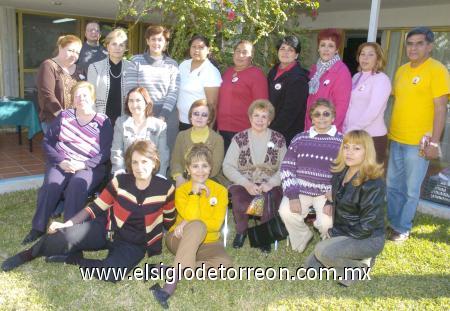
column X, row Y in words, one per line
column 110, row 75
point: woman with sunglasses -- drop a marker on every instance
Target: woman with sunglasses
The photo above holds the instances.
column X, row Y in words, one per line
column 306, row 175
column 201, row 115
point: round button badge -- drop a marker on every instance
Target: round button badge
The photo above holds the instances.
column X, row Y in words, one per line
column 277, row 86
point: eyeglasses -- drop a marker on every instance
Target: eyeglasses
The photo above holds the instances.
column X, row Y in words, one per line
column 325, row 114
column 198, row 114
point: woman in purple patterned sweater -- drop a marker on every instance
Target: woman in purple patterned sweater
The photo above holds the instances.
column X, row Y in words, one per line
column 306, row 175
column 77, row 146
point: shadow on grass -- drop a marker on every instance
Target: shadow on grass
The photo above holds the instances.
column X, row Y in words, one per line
column 438, row 234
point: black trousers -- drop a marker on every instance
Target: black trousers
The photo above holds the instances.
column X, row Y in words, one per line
column 90, row 236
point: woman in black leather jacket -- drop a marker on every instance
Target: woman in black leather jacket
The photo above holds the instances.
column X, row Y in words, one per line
column 358, row 192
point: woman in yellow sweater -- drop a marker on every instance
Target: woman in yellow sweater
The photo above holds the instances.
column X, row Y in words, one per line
column 201, row 205
column 201, row 115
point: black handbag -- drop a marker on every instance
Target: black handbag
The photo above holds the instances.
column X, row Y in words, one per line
column 268, row 232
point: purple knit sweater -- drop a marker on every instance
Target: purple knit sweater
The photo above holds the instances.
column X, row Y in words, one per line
column 306, row 166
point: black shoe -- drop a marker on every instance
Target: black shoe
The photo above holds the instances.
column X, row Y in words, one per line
column 16, row 261
column 239, row 240
column 160, row 295
column 266, row 249
column 32, row 236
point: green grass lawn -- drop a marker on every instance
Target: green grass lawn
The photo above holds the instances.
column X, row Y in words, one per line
column 413, row 275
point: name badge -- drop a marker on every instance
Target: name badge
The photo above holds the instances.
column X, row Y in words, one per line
column 277, row 86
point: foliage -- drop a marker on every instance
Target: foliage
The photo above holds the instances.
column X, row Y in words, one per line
column 224, row 22
column 411, row 276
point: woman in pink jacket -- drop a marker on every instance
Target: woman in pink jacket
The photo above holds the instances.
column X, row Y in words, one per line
column 329, row 77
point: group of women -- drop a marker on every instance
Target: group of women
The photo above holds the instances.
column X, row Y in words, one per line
column 278, row 139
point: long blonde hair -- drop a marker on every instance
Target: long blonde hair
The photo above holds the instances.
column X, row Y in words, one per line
column 369, row 168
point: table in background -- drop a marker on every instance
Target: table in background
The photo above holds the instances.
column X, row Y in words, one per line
column 20, row 112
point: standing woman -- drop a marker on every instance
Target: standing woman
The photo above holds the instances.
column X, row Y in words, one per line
column 77, row 146
column 252, row 164
column 109, row 76
column 56, row 77
column 201, row 206
column 370, row 93
column 200, row 79
column 288, row 89
column 330, row 77
column 138, row 123
column 242, row 84
column 358, row 192
column 159, row 74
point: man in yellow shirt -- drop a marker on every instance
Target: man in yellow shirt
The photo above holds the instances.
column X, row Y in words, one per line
column 421, row 90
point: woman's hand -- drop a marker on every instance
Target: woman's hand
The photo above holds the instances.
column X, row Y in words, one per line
column 198, row 188
column 179, row 180
column 295, row 206
column 56, row 225
column 66, row 166
column 266, row 187
column 252, row 189
column 328, row 210
column 118, row 172
column 178, row 232
column 77, row 165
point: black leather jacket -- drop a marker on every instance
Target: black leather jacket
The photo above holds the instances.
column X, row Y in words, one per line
column 358, row 211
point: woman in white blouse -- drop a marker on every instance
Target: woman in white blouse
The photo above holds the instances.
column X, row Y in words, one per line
column 138, row 122
column 200, row 79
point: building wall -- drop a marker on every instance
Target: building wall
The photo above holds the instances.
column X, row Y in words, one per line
column 389, row 18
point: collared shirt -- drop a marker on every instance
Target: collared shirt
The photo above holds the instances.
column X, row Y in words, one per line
column 332, row 131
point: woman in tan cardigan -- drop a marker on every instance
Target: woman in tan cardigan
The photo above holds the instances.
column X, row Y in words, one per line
column 201, row 115
column 252, row 164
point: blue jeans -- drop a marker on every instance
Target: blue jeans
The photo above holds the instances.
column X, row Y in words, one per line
column 406, row 171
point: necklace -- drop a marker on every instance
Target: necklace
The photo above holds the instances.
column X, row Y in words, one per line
column 112, row 75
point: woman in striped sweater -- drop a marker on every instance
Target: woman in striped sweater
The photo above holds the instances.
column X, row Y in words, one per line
column 127, row 218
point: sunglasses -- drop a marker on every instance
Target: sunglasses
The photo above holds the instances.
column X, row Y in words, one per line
column 325, row 114
column 198, row 114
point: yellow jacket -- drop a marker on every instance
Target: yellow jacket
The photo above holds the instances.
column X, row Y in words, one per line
column 211, row 210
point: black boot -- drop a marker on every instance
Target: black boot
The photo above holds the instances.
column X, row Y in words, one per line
column 239, row 240
column 32, row 236
column 17, row 260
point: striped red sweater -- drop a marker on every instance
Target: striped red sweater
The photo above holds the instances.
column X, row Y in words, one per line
column 137, row 216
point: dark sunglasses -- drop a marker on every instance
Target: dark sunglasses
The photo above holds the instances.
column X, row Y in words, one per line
column 325, row 114
column 198, row 114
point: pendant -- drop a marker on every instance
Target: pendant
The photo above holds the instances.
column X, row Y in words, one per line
column 416, row 80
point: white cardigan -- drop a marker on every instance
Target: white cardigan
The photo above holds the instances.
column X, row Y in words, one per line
column 98, row 75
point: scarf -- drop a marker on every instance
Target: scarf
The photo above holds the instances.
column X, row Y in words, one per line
column 314, row 83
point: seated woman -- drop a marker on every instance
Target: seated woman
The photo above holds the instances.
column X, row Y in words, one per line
column 358, row 192
column 133, row 209
column 195, row 237
column 306, row 175
column 252, row 163
column 138, row 123
column 77, row 145
column 201, row 115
